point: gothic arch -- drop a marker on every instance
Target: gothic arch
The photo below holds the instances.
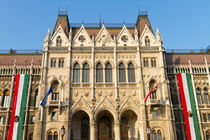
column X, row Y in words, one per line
column 86, row 61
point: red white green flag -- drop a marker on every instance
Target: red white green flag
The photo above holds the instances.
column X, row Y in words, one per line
column 151, row 92
column 188, row 106
column 18, row 107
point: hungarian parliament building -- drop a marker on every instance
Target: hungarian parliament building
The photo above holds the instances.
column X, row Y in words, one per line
column 100, row 75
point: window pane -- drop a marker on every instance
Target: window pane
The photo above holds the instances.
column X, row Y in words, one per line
column 154, row 115
column 108, row 72
column 131, row 75
column 154, row 135
column 50, row 136
column 99, row 73
column 159, row 135
column 55, row 136
column 76, row 73
column 85, row 74
column 122, row 73
column 204, row 118
column 198, row 94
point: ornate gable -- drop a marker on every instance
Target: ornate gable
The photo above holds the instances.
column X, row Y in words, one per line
column 103, row 38
column 147, row 34
column 59, row 34
column 105, row 104
column 125, row 38
column 82, row 38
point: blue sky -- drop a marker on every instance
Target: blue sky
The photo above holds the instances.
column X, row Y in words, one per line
column 183, row 24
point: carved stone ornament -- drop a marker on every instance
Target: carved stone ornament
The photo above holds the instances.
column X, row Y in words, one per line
column 86, row 93
column 100, row 93
column 134, row 93
column 123, row 93
column 76, row 93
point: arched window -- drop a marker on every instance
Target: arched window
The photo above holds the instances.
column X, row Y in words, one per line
column 50, row 135
column 122, row 73
column 146, row 63
column 5, row 98
column 55, row 94
column 36, row 97
column 131, row 73
column 55, row 137
column 53, row 63
column 30, row 136
column 99, row 73
column 198, row 94
column 147, row 41
column 154, row 136
column 208, row 135
column 58, row 41
column 76, row 73
column 159, row 135
column 206, row 96
column 108, row 72
column 152, row 84
column 85, row 73
column 153, row 62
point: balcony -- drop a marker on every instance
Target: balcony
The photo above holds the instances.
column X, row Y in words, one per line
column 55, row 103
column 156, row 102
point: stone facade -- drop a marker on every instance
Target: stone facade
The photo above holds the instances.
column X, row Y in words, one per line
column 100, row 77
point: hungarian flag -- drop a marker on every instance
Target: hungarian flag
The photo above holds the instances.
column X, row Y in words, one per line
column 188, row 106
column 18, row 107
column 151, row 92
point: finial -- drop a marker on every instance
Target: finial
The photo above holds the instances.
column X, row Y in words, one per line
column 99, row 19
column 82, row 23
column 157, row 30
column 123, row 23
column 103, row 23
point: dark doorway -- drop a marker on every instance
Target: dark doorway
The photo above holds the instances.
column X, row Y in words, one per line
column 104, row 128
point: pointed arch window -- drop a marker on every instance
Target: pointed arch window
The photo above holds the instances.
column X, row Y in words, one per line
column 153, row 62
column 61, row 63
column 159, row 135
column 131, row 73
column 99, row 73
column 108, row 72
column 58, row 41
column 154, row 136
column 206, row 96
column 208, row 135
column 147, row 41
column 76, row 73
column 5, row 98
column 152, row 84
column 122, row 73
column 55, row 94
column 146, row 62
column 30, row 136
column 85, row 73
column 198, row 94
column 50, row 136
column 53, row 63
column 55, row 137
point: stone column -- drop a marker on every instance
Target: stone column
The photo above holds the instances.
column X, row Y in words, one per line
column 117, row 130
column 92, row 130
